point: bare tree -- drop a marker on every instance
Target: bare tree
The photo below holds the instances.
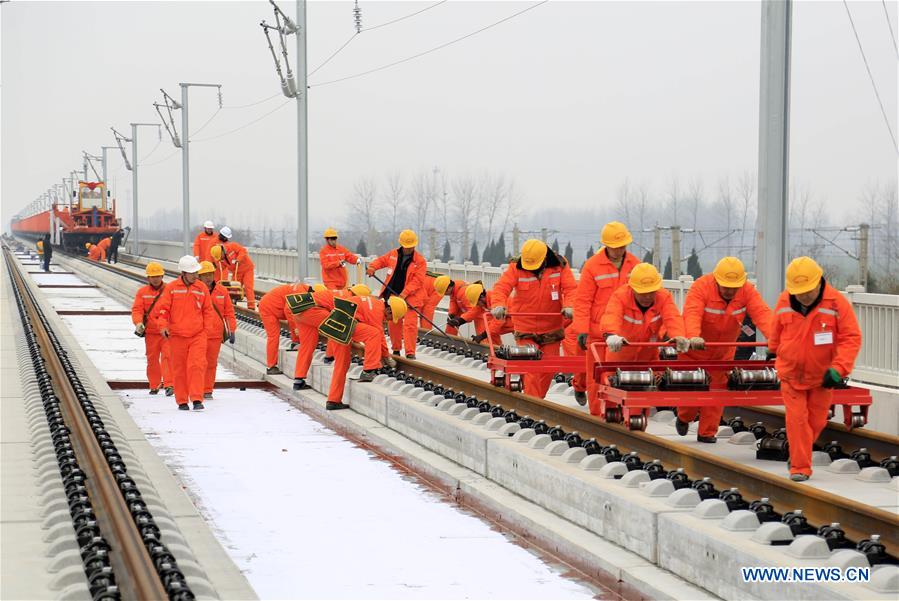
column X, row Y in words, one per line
column 695, row 201
column 800, row 204
column 364, row 205
column 888, row 215
column 394, row 200
column 422, row 196
column 727, row 208
column 623, row 204
column 466, row 201
column 442, row 200
column 746, row 195
column 496, row 199
column 642, row 208
column 673, row 200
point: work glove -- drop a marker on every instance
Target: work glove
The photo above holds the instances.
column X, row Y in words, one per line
column 388, row 362
column 681, row 344
column 832, row 379
column 369, row 272
column 359, row 261
column 582, row 341
column 615, row 342
column 231, row 338
column 771, row 356
column 568, row 313
column 697, row 343
column 479, row 338
column 454, row 321
column 139, row 330
column 498, row 313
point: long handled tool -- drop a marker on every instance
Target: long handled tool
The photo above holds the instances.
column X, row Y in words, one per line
column 434, row 326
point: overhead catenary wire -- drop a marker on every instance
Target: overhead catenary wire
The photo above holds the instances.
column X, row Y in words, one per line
column 252, row 104
column 886, row 14
column 883, row 112
column 245, row 125
column 207, row 122
column 435, row 49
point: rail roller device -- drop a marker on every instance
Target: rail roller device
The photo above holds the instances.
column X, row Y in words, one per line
column 627, row 390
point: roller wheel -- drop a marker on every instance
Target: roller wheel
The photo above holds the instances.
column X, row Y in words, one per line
column 515, row 385
column 499, row 381
column 858, row 421
column 637, row 422
column 613, row 415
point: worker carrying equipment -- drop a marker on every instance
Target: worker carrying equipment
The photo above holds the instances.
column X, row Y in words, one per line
column 234, row 263
column 221, row 329
column 204, row 241
column 273, row 307
column 602, row 274
column 333, row 258
column 714, row 310
column 406, row 277
column 542, row 283
column 144, row 315
column 185, row 315
column 816, row 339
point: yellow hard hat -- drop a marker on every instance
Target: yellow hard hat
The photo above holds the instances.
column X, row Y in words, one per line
column 319, row 287
column 408, row 239
column 803, row 274
column 398, row 307
column 154, row 269
column 645, row 278
column 473, row 292
column 730, row 273
column 533, row 253
column 216, row 252
column 87, row 245
column 360, row 290
column 206, row 267
column 441, row 283
column 330, row 233
column 615, row 235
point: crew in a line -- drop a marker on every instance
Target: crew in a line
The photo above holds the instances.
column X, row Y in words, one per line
column 144, row 313
column 221, row 328
column 233, row 257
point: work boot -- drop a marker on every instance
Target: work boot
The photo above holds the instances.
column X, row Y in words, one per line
column 154, row 391
column 198, row 406
column 397, row 353
column 368, row 376
column 207, row 395
column 328, row 360
column 707, row 439
column 183, row 407
column 293, row 346
column 169, row 390
column 410, row 356
column 274, row 370
column 388, row 362
column 581, row 397
column 681, row 427
column 799, row 477
column 332, row 406
column 299, row 383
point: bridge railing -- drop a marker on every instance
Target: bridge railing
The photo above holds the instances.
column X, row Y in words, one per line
column 878, row 314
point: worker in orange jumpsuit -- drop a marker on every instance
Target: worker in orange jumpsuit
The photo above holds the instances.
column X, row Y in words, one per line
column 542, row 283
column 603, row 273
column 431, row 299
column 333, row 257
column 815, row 338
column 458, row 304
column 640, row 312
column 272, row 309
column 95, row 252
column 222, row 328
column 481, row 303
column 406, row 278
column 355, row 290
column 235, row 258
column 185, row 315
column 144, row 313
column 714, row 310
column 204, row 241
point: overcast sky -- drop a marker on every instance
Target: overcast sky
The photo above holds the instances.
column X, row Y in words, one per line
column 566, row 99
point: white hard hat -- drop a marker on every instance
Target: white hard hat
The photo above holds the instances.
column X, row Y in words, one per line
column 188, row 264
column 208, row 225
column 226, row 232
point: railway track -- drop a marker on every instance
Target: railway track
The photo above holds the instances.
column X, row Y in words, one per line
column 742, row 486
column 121, row 549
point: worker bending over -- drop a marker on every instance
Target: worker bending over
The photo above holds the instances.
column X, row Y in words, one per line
column 220, row 329
column 144, row 313
column 543, row 284
column 405, row 277
column 481, row 303
column 815, row 338
column 185, row 315
column 603, row 274
column 234, row 258
column 333, row 258
column 714, row 310
column 273, row 307
column 95, row 252
column 204, row 241
column 458, row 304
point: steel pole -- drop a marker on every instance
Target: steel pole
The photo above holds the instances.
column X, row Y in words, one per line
column 185, row 172
column 302, row 147
column 103, row 154
column 774, row 147
column 135, row 229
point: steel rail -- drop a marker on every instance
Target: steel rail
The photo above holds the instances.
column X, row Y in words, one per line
column 132, row 565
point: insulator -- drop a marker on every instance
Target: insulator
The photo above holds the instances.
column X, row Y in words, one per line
column 835, row 450
column 734, row 499
column 873, row 549
column 633, row 461
column 655, row 469
column 556, row 433
column 797, row 522
column 592, row 447
column 679, row 478
column 891, row 464
column 611, row 453
column 764, row 510
column 862, row 457
column 574, row 439
column 835, row 536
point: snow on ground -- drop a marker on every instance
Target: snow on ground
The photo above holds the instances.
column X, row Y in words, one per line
column 307, row 514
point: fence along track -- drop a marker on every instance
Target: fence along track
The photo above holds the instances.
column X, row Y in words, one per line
column 126, row 524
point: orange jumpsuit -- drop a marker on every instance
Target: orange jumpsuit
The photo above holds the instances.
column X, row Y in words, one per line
column 334, row 275
column 598, row 280
column 202, row 243
column 625, row 318
column 370, row 332
column 272, row 309
column 159, row 373
column 404, row 333
column 186, row 311
column 104, row 246
column 96, row 253
column 552, row 291
column 713, row 319
column 240, row 267
column 476, row 314
column 224, row 321
column 429, row 306
column 807, row 346
column 458, row 304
